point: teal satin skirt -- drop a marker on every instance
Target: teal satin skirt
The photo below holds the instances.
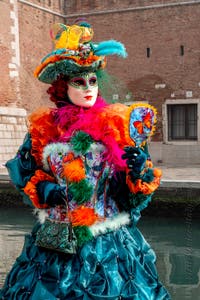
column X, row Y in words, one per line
column 117, row 265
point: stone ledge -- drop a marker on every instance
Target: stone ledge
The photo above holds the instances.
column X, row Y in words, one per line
column 12, row 111
column 190, row 184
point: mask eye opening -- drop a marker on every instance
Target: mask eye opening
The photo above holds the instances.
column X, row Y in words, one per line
column 78, row 81
column 93, row 81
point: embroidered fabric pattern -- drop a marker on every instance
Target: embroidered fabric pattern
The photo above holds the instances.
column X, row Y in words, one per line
column 79, row 167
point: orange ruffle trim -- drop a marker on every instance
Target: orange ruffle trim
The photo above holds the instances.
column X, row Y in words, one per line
column 114, row 117
column 145, row 187
column 42, row 130
column 31, row 190
column 83, row 216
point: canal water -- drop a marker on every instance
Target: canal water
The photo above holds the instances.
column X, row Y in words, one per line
column 175, row 241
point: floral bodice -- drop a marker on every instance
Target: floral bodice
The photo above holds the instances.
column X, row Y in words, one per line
column 90, row 173
column 84, row 172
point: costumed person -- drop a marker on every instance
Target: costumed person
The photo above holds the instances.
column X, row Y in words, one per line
column 84, row 166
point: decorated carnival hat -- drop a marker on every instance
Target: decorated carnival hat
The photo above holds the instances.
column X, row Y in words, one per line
column 74, row 52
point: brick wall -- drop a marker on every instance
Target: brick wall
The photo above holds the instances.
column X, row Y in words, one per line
column 35, row 43
column 93, row 6
column 162, row 29
column 7, row 87
column 161, row 26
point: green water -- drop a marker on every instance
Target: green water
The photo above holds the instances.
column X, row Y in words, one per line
column 175, row 241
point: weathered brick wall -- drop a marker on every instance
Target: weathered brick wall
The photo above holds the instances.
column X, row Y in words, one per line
column 35, row 44
column 7, row 86
column 162, row 29
column 90, row 6
column 162, row 26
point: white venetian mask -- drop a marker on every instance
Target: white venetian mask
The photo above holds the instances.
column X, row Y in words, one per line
column 83, row 89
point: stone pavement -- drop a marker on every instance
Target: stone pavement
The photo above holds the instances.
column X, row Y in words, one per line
column 185, row 177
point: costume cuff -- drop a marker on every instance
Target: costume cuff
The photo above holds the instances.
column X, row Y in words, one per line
column 31, row 187
column 142, row 186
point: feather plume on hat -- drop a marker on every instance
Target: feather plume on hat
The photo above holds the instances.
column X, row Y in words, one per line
column 74, row 52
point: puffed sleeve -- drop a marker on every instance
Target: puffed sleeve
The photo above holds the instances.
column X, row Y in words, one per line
column 133, row 189
column 37, row 187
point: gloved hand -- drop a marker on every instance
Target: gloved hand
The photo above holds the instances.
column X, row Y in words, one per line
column 51, row 193
column 135, row 159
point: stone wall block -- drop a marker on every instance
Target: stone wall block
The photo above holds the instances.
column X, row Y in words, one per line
column 18, row 142
column 17, row 134
column 20, row 128
column 7, row 142
column 10, row 127
column 4, row 158
column 8, row 120
column 12, row 131
column 21, row 121
column 3, row 127
column 10, row 149
column 2, row 150
column 5, row 134
column 2, row 161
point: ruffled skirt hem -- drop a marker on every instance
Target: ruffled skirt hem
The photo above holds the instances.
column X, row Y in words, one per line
column 117, row 265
